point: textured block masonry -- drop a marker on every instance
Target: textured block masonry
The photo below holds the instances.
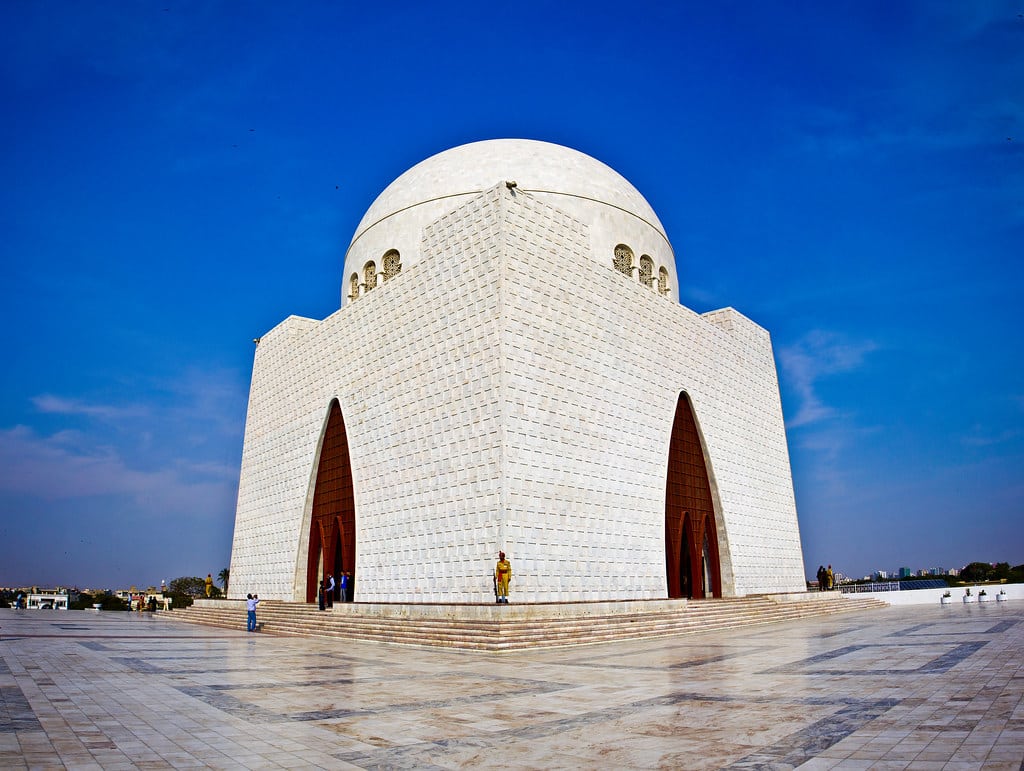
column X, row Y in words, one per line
column 506, row 392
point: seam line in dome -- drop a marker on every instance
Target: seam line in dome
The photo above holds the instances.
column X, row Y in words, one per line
column 370, row 227
column 610, row 205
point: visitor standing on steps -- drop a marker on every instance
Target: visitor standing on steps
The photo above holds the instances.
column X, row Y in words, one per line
column 502, row 575
column 251, row 601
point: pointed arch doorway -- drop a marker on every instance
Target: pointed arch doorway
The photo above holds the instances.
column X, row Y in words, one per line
column 332, row 529
column 691, row 538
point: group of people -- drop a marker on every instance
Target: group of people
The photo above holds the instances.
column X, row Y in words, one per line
column 140, row 603
column 340, row 590
column 826, row 579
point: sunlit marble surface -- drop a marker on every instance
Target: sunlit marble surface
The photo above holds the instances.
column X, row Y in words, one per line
column 915, row 687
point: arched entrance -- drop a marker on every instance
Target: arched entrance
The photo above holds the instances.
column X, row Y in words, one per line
column 332, row 530
column 691, row 539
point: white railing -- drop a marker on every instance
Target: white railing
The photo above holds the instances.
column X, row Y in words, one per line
column 884, row 586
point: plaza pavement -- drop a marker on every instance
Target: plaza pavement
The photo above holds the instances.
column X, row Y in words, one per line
column 932, row 687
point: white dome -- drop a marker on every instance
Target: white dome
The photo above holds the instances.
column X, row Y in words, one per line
column 569, row 180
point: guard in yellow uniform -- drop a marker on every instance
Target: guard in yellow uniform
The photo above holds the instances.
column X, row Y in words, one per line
column 209, row 584
column 502, row 575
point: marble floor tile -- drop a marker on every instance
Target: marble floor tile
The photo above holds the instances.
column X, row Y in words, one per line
column 915, row 688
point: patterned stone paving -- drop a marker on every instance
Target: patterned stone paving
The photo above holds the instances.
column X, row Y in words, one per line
column 911, row 687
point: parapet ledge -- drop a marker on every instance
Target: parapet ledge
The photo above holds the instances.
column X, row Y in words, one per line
column 220, row 603
column 731, row 320
column 291, row 328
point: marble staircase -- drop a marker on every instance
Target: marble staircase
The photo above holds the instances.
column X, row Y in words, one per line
column 515, row 627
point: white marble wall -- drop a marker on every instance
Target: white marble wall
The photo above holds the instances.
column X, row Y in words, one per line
column 508, row 392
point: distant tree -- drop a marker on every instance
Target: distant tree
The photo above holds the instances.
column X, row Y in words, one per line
column 976, row 572
column 223, row 577
column 111, row 601
column 189, row 586
column 1001, row 571
column 106, row 600
column 185, row 589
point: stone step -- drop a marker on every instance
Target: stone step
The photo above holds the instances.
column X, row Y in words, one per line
column 707, row 610
column 517, row 627
column 552, row 635
column 605, row 622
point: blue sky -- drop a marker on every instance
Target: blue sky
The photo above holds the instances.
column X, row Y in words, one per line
column 178, row 177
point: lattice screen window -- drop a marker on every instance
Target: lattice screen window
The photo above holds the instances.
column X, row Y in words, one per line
column 392, row 264
column 662, row 281
column 370, row 275
column 646, row 271
column 353, row 286
column 623, row 261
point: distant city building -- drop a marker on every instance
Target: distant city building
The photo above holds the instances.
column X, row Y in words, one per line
column 55, row 599
column 906, row 572
column 511, row 369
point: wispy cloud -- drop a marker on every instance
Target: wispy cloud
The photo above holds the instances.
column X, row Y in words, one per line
column 79, row 513
column 209, row 401
column 58, row 405
column 979, row 437
column 172, row 447
column 816, row 355
column 958, row 94
column 47, row 468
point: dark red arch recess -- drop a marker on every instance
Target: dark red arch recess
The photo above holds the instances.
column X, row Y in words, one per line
column 691, row 539
column 332, row 527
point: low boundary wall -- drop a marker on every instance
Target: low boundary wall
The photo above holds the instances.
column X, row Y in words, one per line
column 1014, row 593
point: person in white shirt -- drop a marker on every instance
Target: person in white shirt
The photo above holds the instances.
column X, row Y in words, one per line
column 251, row 601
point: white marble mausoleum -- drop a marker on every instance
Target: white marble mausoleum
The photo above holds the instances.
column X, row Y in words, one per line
column 511, row 369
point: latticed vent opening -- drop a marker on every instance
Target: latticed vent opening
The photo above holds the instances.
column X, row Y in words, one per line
column 646, row 270
column 623, row 261
column 370, row 275
column 392, row 264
